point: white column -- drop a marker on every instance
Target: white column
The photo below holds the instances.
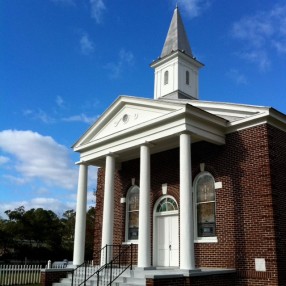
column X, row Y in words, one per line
column 108, row 208
column 187, row 256
column 144, row 243
column 80, row 219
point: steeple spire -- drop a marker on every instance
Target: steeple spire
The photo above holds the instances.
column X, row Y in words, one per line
column 176, row 38
column 176, row 70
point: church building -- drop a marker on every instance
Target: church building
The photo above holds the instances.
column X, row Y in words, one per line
column 198, row 188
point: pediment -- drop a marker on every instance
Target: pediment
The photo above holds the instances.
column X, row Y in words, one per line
column 124, row 115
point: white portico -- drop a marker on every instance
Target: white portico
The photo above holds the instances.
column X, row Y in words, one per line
column 137, row 128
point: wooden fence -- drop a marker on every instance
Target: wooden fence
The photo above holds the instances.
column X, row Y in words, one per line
column 20, row 274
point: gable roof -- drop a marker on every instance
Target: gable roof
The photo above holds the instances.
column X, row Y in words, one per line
column 239, row 116
column 131, row 121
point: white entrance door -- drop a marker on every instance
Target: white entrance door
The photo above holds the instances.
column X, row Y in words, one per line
column 167, row 240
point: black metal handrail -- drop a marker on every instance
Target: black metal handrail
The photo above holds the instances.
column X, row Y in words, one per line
column 111, row 270
column 82, row 269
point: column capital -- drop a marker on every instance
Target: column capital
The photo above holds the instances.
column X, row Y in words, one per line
column 186, row 132
column 81, row 163
column 147, row 144
column 111, row 154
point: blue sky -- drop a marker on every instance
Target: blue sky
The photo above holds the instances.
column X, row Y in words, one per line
column 63, row 62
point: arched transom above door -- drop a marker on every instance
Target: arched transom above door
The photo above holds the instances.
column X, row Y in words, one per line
column 166, row 204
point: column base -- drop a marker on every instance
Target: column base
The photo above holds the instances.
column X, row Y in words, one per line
column 188, row 272
column 145, row 268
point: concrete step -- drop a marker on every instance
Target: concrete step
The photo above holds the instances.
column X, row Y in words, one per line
column 127, row 278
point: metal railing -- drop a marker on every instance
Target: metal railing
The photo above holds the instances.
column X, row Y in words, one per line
column 84, row 270
column 122, row 259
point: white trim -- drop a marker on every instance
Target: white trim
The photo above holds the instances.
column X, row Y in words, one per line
column 198, row 239
column 165, row 189
column 118, row 104
column 130, row 242
column 210, row 239
column 218, row 185
column 127, row 216
column 155, row 215
column 165, row 121
column 167, row 213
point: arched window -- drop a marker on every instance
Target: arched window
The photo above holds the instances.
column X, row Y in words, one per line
column 205, row 205
column 166, row 77
column 187, row 77
column 132, row 213
column 167, row 205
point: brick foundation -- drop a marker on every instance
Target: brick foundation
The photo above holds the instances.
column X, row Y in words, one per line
column 50, row 276
column 214, row 280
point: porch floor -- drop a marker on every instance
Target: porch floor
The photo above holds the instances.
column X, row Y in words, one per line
column 168, row 272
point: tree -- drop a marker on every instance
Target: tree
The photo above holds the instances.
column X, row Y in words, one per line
column 39, row 233
column 89, row 237
column 68, row 222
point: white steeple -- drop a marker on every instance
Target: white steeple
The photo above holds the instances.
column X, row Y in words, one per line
column 176, row 71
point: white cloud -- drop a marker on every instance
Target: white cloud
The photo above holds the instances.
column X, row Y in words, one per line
column 258, row 57
column 237, row 77
column 43, row 191
column 38, row 157
column 97, row 8
column 86, row 45
column 261, row 35
column 91, row 198
column 91, row 104
column 46, row 203
column 255, row 30
column 16, row 180
column 280, row 46
column 60, row 102
column 3, row 160
column 92, row 183
column 39, row 115
column 193, row 8
column 125, row 59
column 80, row 118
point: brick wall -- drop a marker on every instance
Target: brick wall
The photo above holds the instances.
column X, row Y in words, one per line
column 50, row 276
column 277, row 147
column 214, row 280
column 174, row 281
column 244, row 211
column 98, row 216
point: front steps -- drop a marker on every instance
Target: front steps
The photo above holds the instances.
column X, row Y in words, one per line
column 127, row 278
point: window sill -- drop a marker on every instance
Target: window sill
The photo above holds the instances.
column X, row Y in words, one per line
column 130, row 242
column 212, row 239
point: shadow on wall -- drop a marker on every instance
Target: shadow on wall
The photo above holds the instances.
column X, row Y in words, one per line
column 277, row 147
column 225, row 163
